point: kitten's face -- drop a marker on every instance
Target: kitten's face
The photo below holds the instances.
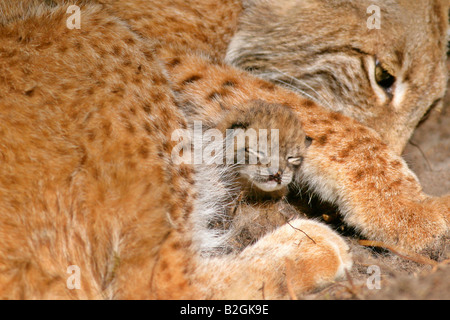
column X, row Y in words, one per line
column 269, row 146
column 273, row 171
column 387, row 78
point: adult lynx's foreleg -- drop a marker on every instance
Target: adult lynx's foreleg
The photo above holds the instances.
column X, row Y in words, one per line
column 347, row 163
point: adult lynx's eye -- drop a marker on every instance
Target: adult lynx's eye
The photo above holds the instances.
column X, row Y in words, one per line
column 383, row 78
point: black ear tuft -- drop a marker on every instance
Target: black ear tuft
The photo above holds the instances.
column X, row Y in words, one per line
column 308, row 141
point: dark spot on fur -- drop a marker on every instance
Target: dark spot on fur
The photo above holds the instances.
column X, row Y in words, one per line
column 267, row 86
column 174, row 62
column 176, row 245
column 359, row 175
column 344, row 153
column 106, row 126
column 159, row 79
column 336, row 116
column 164, row 264
column 90, row 91
column 157, row 96
column 376, row 148
column 396, row 164
column 191, row 79
column 129, row 41
column 83, row 159
column 309, row 104
column 188, row 209
column 117, row 50
column 148, row 55
column 118, row 90
column 229, row 83
column 131, row 165
column 130, row 128
column 44, row 45
column 396, row 184
column 147, row 128
column 322, row 140
column 185, row 171
column 214, row 95
column 147, row 108
column 363, row 130
column 91, row 135
column 30, row 92
column 335, row 159
column 143, row 151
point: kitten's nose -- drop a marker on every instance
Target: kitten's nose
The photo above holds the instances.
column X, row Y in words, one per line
column 276, row 177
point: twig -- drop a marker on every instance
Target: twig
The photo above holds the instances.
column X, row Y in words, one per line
column 400, row 252
column 301, row 232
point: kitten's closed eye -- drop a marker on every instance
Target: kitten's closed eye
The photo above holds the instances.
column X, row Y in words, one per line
column 295, row 161
column 308, row 141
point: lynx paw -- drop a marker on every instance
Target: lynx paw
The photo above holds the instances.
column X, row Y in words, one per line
column 317, row 254
column 428, row 225
column 297, row 257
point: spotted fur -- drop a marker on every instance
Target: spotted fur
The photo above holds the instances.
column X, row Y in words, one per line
column 87, row 177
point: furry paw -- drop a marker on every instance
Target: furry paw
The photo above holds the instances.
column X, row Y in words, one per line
column 297, row 257
column 313, row 254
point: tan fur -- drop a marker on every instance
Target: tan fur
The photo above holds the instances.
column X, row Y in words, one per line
column 86, row 176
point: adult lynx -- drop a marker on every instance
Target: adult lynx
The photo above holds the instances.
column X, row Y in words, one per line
column 87, row 178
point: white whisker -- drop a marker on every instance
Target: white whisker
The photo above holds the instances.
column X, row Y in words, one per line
column 320, row 98
column 301, row 92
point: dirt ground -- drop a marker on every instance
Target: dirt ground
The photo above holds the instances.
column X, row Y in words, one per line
column 428, row 155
